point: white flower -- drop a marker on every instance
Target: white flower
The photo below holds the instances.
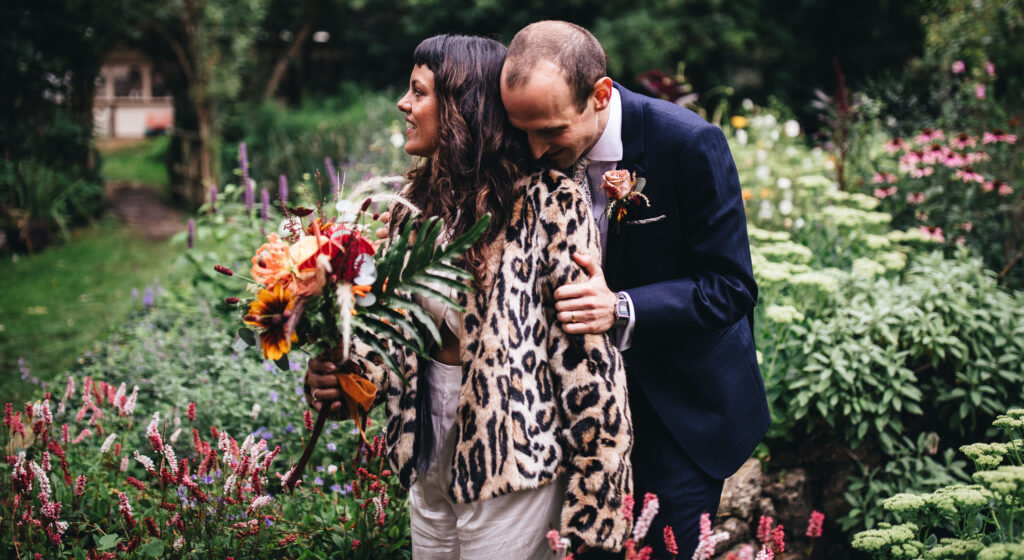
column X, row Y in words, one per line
column 830, row 164
column 129, row 405
column 178, row 543
column 41, row 477
column 332, row 469
column 760, row 356
column 175, row 434
column 643, row 523
column 146, row 462
column 765, row 212
column 783, row 314
column 172, row 460
column 791, row 128
column 107, row 443
column 257, row 503
column 785, row 207
column 249, row 440
column 762, row 156
column 229, row 484
column 747, row 104
column 784, row 183
column 763, row 172
column 346, row 211
column 255, row 410
column 741, row 137
column 397, row 140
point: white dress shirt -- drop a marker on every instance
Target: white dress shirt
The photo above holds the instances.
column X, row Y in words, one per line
column 605, row 155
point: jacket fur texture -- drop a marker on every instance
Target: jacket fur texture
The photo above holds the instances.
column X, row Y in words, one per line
column 535, row 402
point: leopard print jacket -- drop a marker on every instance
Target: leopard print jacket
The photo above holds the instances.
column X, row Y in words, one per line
column 535, row 402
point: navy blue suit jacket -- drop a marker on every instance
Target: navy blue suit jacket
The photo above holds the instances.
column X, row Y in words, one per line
column 685, row 262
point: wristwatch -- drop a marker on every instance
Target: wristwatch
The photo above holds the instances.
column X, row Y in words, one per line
column 621, row 309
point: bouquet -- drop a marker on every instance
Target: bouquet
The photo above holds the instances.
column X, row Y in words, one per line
column 326, row 281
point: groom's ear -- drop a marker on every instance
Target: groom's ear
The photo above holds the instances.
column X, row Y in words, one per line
column 602, row 93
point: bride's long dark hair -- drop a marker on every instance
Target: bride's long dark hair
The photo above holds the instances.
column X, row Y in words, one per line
column 480, row 156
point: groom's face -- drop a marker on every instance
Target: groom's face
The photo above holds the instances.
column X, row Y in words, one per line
column 543, row 108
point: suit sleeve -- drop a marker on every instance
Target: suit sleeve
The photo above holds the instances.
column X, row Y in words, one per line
column 722, row 290
column 592, row 387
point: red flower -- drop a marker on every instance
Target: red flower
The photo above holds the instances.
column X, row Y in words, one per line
column 670, row 541
column 814, row 524
column 778, row 540
column 307, row 419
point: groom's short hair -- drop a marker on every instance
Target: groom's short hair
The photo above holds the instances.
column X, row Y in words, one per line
column 573, row 49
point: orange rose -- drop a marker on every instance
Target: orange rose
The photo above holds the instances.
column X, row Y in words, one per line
column 617, row 183
column 272, row 261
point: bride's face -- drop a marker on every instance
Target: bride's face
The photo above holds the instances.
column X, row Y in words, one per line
column 421, row 113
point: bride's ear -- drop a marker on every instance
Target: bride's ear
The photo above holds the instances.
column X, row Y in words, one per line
column 602, row 93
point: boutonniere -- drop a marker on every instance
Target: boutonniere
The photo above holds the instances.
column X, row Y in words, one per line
column 624, row 192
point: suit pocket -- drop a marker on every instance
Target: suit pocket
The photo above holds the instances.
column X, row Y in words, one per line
column 646, row 228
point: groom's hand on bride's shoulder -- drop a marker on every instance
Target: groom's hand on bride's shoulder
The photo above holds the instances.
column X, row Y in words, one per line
column 587, row 307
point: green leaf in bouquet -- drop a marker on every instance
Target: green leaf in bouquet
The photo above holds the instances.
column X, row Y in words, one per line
column 282, row 362
column 371, row 339
column 394, row 302
column 374, row 325
column 247, row 335
column 392, row 320
column 450, row 271
column 427, row 291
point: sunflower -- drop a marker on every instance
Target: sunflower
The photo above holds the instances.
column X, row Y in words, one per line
column 270, row 312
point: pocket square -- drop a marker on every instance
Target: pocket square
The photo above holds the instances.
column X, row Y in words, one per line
column 645, row 221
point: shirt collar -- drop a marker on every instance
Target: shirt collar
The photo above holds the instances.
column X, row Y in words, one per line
column 609, row 145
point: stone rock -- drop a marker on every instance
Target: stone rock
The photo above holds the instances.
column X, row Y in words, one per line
column 741, row 492
column 738, row 529
column 790, row 495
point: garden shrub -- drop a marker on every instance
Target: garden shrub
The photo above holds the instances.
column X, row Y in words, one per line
column 980, row 521
column 190, row 383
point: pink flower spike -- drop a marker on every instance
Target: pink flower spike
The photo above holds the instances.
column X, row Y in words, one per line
column 979, row 91
column 80, row 485
column 778, row 540
column 554, row 539
column 990, row 68
column 765, row 554
column 959, row 67
column 627, row 506
column 1005, row 190
column 670, row 541
column 764, row 529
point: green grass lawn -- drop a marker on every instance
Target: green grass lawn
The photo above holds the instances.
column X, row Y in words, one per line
column 139, row 162
column 58, row 303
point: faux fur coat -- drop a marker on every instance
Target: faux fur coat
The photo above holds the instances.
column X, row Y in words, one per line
column 535, row 402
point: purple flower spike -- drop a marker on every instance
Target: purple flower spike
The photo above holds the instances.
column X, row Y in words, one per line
column 333, row 174
column 191, row 233
column 282, row 189
column 213, row 198
column 265, row 204
column 243, row 163
column 147, row 298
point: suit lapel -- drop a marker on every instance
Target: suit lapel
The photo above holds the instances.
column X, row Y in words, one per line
column 633, row 160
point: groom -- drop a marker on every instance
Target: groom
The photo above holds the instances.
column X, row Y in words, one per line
column 676, row 291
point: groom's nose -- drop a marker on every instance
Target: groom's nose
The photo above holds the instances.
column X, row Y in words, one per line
column 538, row 147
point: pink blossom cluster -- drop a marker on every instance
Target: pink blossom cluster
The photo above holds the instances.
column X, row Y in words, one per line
column 707, row 541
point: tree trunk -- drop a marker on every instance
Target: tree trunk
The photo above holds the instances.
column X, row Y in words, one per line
column 312, row 8
column 198, row 187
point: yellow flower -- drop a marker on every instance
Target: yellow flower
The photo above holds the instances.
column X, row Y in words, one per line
column 738, row 121
column 270, row 311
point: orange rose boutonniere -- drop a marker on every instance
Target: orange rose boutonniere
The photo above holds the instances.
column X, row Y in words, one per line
column 624, row 190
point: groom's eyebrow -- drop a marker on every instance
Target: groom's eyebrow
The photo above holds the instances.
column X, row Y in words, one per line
column 553, row 130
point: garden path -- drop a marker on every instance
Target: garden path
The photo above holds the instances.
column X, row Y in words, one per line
column 141, row 208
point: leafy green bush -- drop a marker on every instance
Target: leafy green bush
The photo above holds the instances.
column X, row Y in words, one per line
column 983, row 520
column 36, row 198
column 362, row 133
